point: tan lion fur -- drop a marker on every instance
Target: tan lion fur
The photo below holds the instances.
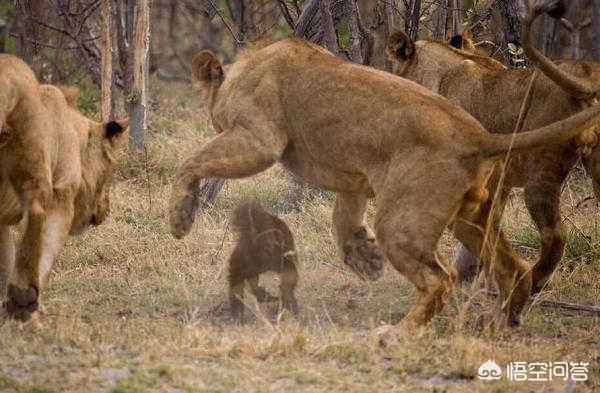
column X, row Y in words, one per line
column 493, row 94
column 264, row 244
column 80, row 160
column 362, row 133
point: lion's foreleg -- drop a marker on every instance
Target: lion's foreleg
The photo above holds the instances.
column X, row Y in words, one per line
column 235, row 153
column 44, row 237
column 7, row 257
column 354, row 238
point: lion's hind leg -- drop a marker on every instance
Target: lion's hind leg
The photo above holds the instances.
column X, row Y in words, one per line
column 543, row 201
column 509, row 271
column 411, row 216
column 236, row 153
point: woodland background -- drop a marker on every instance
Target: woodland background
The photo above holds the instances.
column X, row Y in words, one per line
column 118, row 44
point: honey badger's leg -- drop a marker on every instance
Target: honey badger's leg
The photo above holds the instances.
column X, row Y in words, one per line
column 289, row 279
column 543, row 202
column 7, row 257
column 236, row 297
column 43, row 239
column 261, row 294
column 411, row 216
column 509, row 271
column 235, row 153
column 354, row 238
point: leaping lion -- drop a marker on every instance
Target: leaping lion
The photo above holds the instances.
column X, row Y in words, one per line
column 362, row 133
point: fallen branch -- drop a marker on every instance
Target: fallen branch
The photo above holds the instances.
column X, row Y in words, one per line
column 168, row 76
column 558, row 304
column 570, row 306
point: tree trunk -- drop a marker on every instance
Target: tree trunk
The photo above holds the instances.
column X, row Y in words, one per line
column 596, row 31
column 5, row 27
column 137, row 98
column 511, row 23
column 412, row 17
column 107, row 104
column 25, row 32
column 388, row 27
column 510, row 28
column 354, row 46
column 574, row 15
column 329, row 36
column 440, row 18
column 457, row 16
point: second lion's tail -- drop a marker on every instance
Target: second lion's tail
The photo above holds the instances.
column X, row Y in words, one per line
column 555, row 133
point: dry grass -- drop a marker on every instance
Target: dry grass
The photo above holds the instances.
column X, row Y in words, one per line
column 131, row 309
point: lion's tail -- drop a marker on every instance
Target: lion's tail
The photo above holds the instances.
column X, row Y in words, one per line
column 555, row 133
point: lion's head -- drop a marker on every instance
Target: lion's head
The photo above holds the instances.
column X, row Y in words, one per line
column 99, row 145
column 426, row 61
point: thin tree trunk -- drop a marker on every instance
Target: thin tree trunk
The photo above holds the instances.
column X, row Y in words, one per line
column 24, row 32
column 354, row 46
column 137, row 98
column 305, row 21
column 441, row 20
column 596, row 31
column 575, row 17
column 3, row 36
column 411, row 24
column 329, row 34
column 457, row 17
column 511, row 24
column 107, row 105
column 388, row 26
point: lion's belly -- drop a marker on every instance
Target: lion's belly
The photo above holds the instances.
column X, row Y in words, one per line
column 323, row 176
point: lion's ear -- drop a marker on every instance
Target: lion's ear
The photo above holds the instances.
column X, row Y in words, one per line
column 557, row 8
column 463, row 41
column 113, row 130
column 456, row 41
column 71, row 94
column 399, row 46
column 467, row 34
column 206, row 68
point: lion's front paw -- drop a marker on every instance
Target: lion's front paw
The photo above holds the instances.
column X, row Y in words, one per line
column 182, row 214
column 363, row 256
column 21, row 303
